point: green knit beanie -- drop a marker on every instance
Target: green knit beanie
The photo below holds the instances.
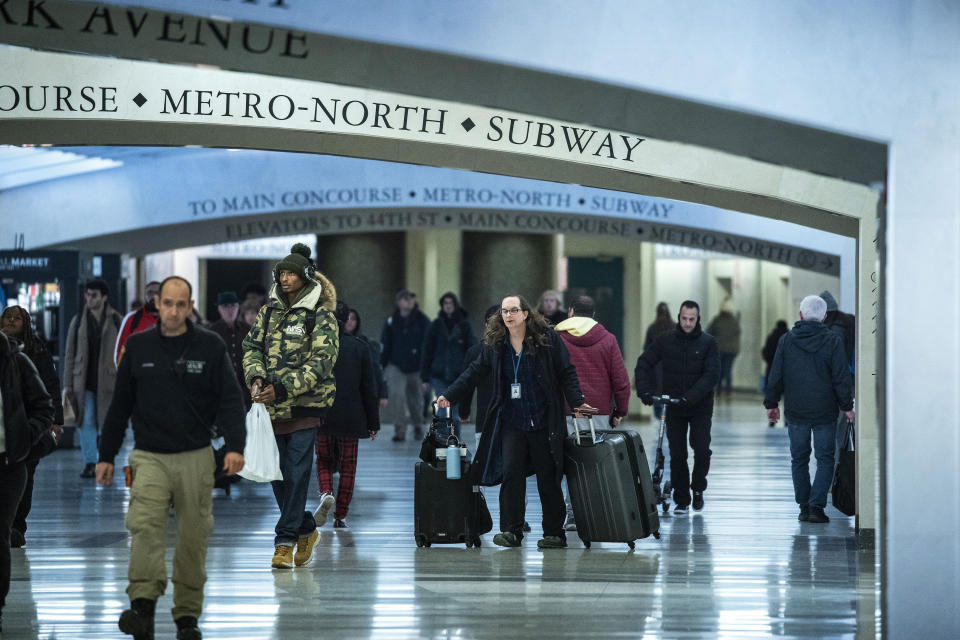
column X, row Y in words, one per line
column 297, row 262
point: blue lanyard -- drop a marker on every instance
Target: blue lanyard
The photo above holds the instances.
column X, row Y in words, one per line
column 516, row 367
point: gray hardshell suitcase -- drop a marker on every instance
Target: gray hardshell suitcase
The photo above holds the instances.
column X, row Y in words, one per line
column 610, row 486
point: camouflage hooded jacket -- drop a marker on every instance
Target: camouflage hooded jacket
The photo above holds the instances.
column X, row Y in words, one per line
column 297, row 362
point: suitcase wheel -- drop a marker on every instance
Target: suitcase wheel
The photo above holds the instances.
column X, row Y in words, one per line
column 632, row 545
column 476, row 542
column 422, row 541
column 586, row 543
column 656, row 534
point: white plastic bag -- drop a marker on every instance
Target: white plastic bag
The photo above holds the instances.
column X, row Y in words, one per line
column 261, row 459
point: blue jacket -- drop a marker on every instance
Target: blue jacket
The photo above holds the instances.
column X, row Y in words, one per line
column 810, row 372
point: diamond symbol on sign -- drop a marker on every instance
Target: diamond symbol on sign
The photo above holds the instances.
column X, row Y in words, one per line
column 467, row 124
column 139, row 100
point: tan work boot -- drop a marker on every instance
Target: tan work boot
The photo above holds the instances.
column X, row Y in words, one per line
column 305, row 548
column 282, row 557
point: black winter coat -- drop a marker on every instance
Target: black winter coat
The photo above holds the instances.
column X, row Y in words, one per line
column 402, row 340
column 444, row 348
column 811, row 372
column 27, row 407
column 43, row 361
column 558, row 381
column 691, row 369
column 484, row 391
column 355, row 411
column 373, row 346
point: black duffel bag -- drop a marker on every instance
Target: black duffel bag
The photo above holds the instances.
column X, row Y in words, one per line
column 844, row 492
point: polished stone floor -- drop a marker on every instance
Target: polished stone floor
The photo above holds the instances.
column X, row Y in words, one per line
column 743, row 568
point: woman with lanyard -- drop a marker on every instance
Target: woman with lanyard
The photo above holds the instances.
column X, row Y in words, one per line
column 531, row 377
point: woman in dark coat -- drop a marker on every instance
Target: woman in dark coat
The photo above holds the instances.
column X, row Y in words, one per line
column 354, row 415
column 531, row 378
column 770, row 347
column 15, row 323
column 352, row 328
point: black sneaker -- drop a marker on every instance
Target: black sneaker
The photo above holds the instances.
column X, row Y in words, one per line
column 338, row 523
column 397, row 438
column 681, row 509
column 187, row 628
column 17, row 539
column 817, row 515
column 697, row 500
column 506, row 539
column 137, row 621
column 89, row 471
column 804, row 513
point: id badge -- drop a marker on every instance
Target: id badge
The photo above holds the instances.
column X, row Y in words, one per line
column 515, row 391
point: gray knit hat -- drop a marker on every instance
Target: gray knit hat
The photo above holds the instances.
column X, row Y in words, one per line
column 298, row 262
column 830, row 300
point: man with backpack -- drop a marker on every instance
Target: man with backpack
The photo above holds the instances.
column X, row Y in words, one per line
column 288, row 361
column 89, row 370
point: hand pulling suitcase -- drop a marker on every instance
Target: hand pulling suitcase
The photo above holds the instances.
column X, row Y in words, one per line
column 610, row 486
column 448, row 511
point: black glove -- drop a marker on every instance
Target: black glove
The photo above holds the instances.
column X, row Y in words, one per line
column 646, row 398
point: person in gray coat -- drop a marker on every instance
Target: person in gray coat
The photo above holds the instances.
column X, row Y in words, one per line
column 810, row 372
column 89, row 370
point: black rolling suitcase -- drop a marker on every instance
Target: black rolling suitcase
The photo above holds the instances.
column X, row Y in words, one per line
column 610, row 486
column 448, row 511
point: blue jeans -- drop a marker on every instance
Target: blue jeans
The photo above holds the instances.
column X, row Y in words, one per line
column 440, row 388
column 824, row 436
column 296, row 463
column 89, row 429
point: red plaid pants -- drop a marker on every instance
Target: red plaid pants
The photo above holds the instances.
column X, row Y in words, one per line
column 337, row 453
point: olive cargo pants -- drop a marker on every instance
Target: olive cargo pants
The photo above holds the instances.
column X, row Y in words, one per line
column 186, row 480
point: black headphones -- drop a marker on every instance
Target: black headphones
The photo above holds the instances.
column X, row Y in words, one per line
column 309, row 272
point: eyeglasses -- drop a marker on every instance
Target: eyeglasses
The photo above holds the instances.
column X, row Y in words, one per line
column 510, row 312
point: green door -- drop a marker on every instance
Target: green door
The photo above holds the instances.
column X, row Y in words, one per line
column 602, row 280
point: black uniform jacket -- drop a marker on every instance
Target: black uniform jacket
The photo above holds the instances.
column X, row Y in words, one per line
column 174, row 400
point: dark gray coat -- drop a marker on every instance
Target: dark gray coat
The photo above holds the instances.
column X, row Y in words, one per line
column 810, row 372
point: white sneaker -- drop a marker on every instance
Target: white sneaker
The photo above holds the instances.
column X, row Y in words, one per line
column 326, row 503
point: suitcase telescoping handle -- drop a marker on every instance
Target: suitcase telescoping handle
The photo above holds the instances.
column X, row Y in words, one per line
column 593, row 432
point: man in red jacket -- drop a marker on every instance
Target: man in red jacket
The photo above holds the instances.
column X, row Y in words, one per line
column 603, row 376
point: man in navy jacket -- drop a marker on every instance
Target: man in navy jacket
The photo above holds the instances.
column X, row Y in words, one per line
column 810, row 371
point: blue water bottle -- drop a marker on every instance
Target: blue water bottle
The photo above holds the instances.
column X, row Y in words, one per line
column 453, row 461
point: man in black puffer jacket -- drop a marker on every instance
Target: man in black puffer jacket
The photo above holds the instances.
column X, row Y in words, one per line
column 691, row 369
column 811, row 370
column 26, row 414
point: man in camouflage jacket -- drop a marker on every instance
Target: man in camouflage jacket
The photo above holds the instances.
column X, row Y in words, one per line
column 288, row 364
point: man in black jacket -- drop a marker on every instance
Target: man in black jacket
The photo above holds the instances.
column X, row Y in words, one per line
column 176, row 381
column 26, row 414
column 402, row 340
column 691, row 369
column 810, row 370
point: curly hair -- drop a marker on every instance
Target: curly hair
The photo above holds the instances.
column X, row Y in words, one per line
column 32, row 343
column 495, row 331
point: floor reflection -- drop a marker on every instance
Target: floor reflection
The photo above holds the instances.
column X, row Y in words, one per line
column 742, row 568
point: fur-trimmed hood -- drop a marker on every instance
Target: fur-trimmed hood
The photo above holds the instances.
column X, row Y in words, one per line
column 320, row 294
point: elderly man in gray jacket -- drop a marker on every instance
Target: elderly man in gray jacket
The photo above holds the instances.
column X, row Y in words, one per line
column 810, row 371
